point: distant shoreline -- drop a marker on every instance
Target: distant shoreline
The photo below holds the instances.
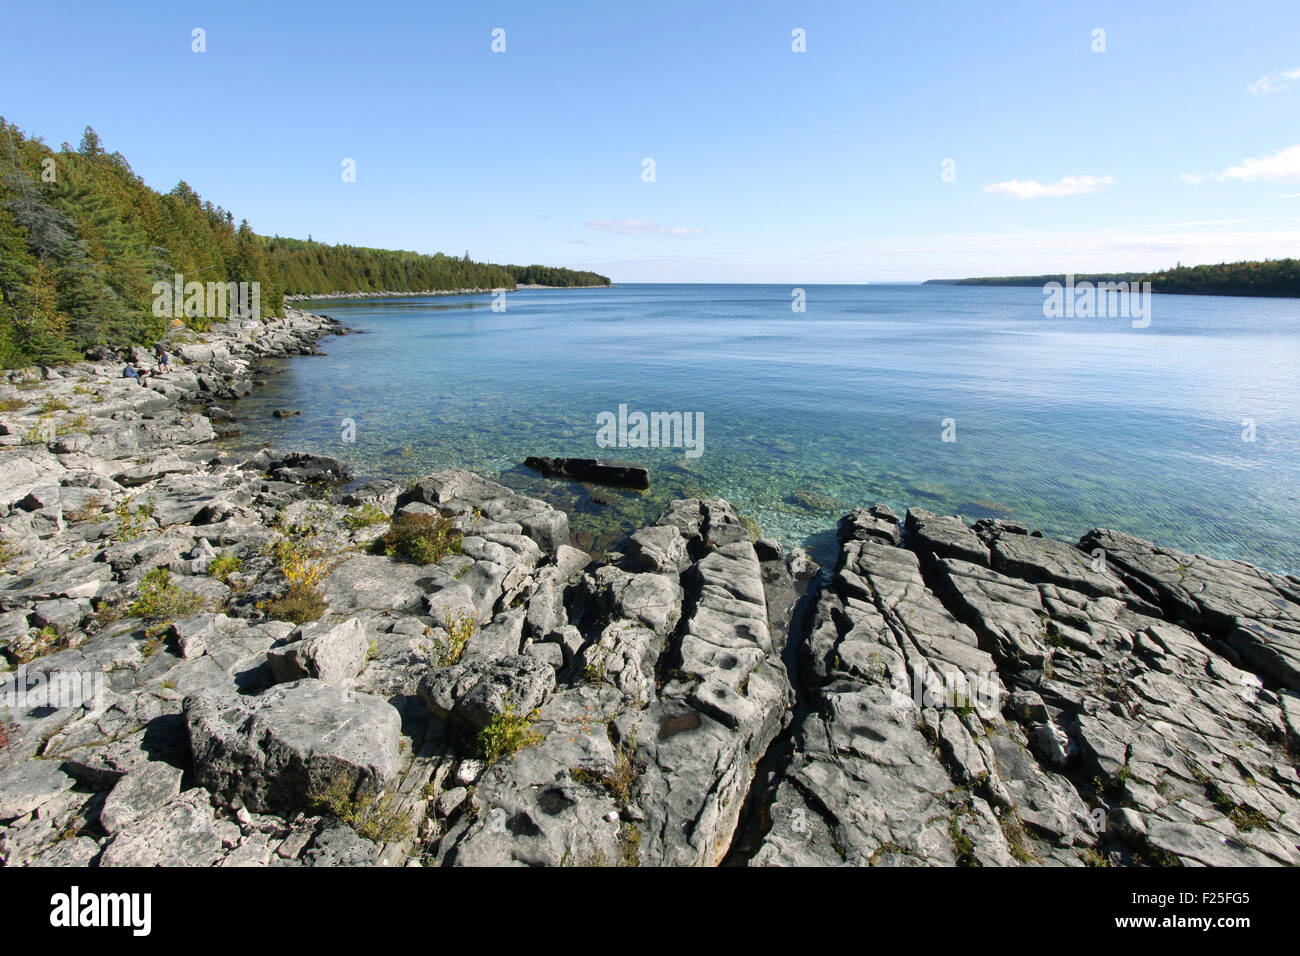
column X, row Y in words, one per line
column 1271, row 278
column 389, row 294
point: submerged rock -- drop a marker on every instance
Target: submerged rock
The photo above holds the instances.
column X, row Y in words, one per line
column 593, row 469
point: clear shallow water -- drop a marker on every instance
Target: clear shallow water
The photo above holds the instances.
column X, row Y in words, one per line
column 1064, row 424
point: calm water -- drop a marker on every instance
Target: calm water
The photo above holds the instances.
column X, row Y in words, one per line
column 1064, row 424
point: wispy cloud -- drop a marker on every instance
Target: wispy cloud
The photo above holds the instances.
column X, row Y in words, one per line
column 1282, row 166
column 639, row 227
column 1272, row 82
column 1065, row 186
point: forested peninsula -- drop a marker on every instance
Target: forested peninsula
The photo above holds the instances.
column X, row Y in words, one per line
column 1270, row 277
column 83, row 240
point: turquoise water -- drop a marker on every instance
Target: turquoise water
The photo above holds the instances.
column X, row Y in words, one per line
column 1064, row 424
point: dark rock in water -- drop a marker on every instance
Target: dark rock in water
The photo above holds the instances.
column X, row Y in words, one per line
column 284, row 413
column 812, row 500
column 299, row 467
column 593, row 469
column 878, row 521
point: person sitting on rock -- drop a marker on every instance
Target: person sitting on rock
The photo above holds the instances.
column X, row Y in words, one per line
column 136, row 372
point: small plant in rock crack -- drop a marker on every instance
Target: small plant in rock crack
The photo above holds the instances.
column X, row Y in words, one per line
column 296, row 607
column 161, row 601
column 12, row 404
column 373, row 817
column 421, row 538
column 8, row 553
column 459, row 631
column 223, row 566
column 621, row 781
column 131, row 521
column 364, row 516
column 302, row 565
column 8, row 733
column 507, row 733
column 45, row 641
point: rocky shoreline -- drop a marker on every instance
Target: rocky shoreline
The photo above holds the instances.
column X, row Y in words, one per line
column 521, row 287
column 221, row 661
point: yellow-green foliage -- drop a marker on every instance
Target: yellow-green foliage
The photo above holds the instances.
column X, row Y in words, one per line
column 12, row 404
column 622, row 781
column 302, row 565
column 364, row 517
column 298, row 607
column 506, row 734
column 373, row 818
column 46, row 640
column 422, row 538
column 224, row 566
column 459, row 630
column 162, row 601
column 131, row 522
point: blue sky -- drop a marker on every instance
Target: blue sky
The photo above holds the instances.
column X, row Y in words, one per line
column 1179, row 142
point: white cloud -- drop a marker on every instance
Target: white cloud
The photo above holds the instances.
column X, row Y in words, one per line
column 639, row 227
column 1065, row 186
column 1272, row 82
column 1282, row 166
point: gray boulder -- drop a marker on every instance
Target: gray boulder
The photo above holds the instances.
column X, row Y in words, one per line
column 330, row 650
column 284, row 748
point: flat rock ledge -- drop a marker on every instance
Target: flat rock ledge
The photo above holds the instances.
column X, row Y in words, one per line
column 946, row 694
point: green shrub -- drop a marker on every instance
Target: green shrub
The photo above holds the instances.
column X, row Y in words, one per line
column 374, row 819
column 131, row 522
column 421, row 538
column 459, row 631
column 364, row 517
column 45, row 641
column 162, row 601
column 298, row 606
column 224, row 566
column 507, row 733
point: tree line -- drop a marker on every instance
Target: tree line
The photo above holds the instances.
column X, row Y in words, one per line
column 83, row 240
column 1269, row 277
